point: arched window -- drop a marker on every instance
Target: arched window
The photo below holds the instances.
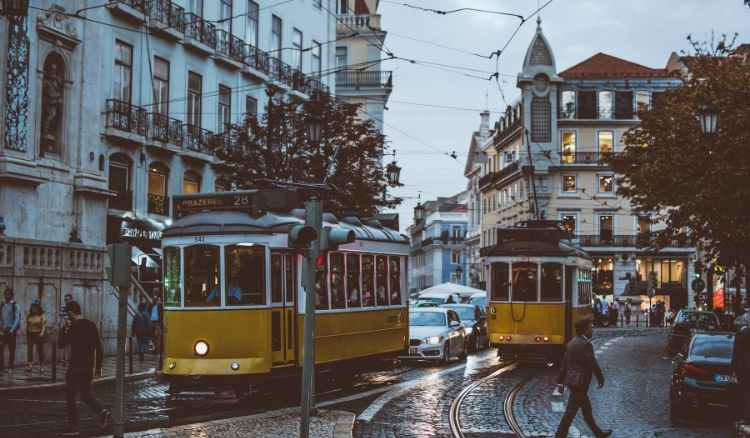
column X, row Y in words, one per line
column 119, row 182
column 158, row 177
column 53, row 96
column 191, row 182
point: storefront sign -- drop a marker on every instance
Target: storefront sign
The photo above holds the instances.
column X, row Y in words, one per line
column 135, row 230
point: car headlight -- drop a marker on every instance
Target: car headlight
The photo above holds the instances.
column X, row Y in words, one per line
column 434, row 340
column 201, row 348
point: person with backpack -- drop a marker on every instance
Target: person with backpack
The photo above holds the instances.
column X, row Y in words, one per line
column 141, row 329
column 10, row 323
column 36, row 328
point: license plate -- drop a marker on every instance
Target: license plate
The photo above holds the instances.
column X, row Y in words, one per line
column 412, row 351
column 723, row 378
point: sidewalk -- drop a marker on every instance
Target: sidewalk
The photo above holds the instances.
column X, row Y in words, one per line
column 280, row 423
column 20, row 379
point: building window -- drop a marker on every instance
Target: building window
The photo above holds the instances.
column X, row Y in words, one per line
column 317, row 64
column 225, row 15
column 642, row 101
column 569, row 184
column 53, row 104
column 540, row 120
column 569, row 223
column 251, row 107
column 605, row 105
column 586, row 104
column 161, row 86
column 606, row 184
column 123, row 74
column 606, row 142
column 341, row 57
column 644, row 225
column 276, row 35
column 603, row 275
column 343, row 6
column 158, row 176
column 456, row 233
column 606, row 228
column 623, row 105
column 252, row 23
column 297, row 49
column 456, row 257
column 191, row 183
column 196, row 7
column 119, row 182
column 568, row 104
column 195, row 99
column 568, row 147
column 225, row 108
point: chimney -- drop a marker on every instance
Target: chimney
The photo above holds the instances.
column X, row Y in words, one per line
column 484, row 126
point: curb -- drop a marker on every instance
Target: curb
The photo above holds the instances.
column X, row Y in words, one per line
column 98, row 381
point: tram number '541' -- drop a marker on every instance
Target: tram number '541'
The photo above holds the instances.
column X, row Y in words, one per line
column 200, row 238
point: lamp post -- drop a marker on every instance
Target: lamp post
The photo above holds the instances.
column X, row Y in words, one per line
column 708, row 116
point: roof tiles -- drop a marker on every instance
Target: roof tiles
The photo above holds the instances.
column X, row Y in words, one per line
column 603, row 66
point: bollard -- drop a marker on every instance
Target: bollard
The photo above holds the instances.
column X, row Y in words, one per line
column 54, row 360
column 130, row 353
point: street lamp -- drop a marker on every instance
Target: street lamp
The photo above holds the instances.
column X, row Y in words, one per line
column 419, row 212
column 393, row 171
column 708, row 117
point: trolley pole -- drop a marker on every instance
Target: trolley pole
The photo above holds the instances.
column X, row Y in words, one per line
column 313, row 218
column 119, row 257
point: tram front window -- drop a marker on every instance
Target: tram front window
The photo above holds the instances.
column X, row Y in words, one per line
column 246, row 275
column 172, row 277
column 500, row 282
column 202, row 279
column 524, row 281
column 551, row 282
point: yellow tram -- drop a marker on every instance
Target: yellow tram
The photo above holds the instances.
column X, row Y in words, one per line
column 234, row 303
column 539, row 284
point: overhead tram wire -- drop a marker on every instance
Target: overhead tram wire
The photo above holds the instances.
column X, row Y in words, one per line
column 453, row 11
column 442, row 46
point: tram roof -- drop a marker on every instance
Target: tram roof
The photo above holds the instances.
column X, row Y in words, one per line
column 537, row 238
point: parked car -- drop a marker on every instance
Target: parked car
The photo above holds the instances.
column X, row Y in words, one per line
column 702, row 375
column 474, row 322
column 685, row 323
column 435, row 333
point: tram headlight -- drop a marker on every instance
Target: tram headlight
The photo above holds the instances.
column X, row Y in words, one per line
column 546, row 339
column 434, row 340
column 172, row 365
column 201, row 348
column 234, row 366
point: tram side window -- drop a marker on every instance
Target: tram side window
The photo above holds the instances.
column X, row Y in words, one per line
column 381, row 281
column 172, row 277
column 395, row 280
column 338, row 294
column 321, row 286
column 291, row 278
column 500, row 274
column 368, row 281
column 524, row 281
column 277, row 274
column 552, row 281
column 352, row 280
column 202, row 276
column 246, row 275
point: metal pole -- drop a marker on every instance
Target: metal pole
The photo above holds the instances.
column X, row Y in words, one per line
column 313, row 218
column 122, row 321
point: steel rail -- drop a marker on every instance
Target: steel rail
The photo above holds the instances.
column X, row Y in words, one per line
column 508, row 407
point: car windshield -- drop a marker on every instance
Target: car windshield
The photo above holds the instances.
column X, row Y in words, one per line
column 479, row 301
column 431, row 300
column 465, row 313
column 420, row 319
column 712, row 347
column 698, row 318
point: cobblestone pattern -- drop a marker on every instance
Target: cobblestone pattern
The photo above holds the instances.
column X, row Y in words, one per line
column 481, row 412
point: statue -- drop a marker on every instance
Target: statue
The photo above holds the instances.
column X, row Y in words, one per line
column 52, row 103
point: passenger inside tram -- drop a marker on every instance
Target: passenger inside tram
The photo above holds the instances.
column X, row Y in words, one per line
column 352, row 279
column 368, row 279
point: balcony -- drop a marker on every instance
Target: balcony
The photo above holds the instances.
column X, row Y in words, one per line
column 364, row 79
column 494, row 177
column 158, row 204
column 255, row 58
column 198, row 139
column 229, row 47
column 121, row 201
column 592, row 158
column 165, row 129
column 199, row 33
column 167, row 17
column 129, row 9
column 349, row 23
column 627, row 240
column 125, row 121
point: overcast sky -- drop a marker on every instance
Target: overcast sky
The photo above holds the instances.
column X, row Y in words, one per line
column 642, row 31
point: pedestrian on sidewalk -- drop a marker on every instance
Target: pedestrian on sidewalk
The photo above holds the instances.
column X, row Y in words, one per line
column 628, row 311
column 65, row 324
column 10, row 323
column 578, row 367
column 36, row 331
column 141, row 329
column 156, row 315
column 85, row 357
column 741, row 368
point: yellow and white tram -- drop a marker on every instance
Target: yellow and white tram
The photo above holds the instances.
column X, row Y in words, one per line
column 234, row 304
column 539, row 285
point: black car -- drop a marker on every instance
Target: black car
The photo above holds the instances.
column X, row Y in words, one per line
column 685, row 322
column 703, row 374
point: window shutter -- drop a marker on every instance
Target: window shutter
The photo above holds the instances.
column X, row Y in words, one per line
column 624, row 105
column 586, row 104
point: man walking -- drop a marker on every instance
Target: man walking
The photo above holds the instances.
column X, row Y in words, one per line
column 10, row 323
column 576, row 372
column 85, row 356
column 156, row 314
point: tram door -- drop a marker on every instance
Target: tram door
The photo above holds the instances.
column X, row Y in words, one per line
column 570, row 282
column 283, row 306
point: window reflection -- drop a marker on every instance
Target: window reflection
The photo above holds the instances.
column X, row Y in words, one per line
column 352, row 280
column 551, row 282
column 500, row 281
column 245, row 274
column 172, row 277
column 368, row 280
column 382, row 281
column 605, row 104
column 568, row 107
column 395, row 283
column 338, row 295
column 524, row 281
column 202, row 279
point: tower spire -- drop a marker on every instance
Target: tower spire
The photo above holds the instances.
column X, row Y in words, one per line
column 538, row 23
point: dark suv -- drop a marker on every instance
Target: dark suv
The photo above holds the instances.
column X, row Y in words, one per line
column 685, row 322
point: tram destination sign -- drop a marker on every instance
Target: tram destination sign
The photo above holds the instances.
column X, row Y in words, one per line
column 251, row 201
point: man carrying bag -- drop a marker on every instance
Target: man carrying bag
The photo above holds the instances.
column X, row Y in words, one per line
column 578, row 366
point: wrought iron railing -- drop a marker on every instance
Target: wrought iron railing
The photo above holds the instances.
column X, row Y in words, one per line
column 165, row 129
column 255, row 58
column 274, row 67
column 167, row 13
column 158, row 204
column 126, row 117
column 493, row 177
column 356, row 79
column 585, row 157
column 628, row 240
column 200, row 30
column 198, row 139
column 121, row 201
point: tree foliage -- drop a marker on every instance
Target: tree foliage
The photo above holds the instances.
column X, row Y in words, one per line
column 276, row 146
column 696, row 184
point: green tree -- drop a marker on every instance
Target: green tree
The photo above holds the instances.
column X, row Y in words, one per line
column 696, row 184
column 275, row 146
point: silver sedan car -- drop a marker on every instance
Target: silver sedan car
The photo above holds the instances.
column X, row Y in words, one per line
column 435, row 333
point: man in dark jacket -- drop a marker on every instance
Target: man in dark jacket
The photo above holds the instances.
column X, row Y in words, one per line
column 576, row 372
column 741, row 368
column 85, row 356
